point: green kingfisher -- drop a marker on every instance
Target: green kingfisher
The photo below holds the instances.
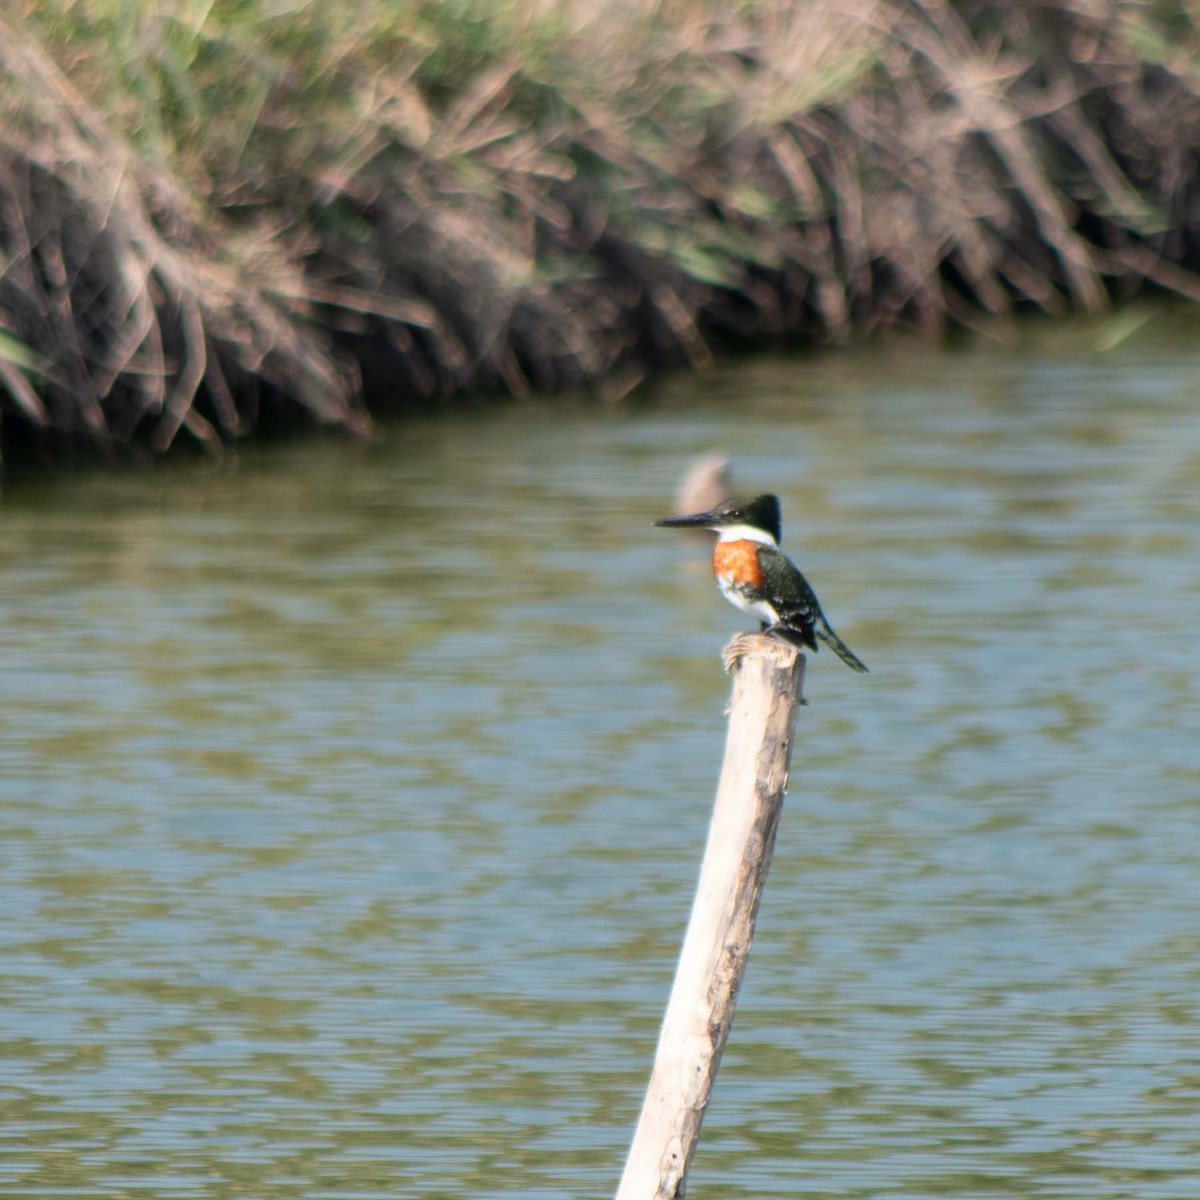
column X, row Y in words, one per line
column 757, row 577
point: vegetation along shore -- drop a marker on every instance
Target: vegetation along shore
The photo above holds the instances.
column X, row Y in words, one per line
column 223, row 213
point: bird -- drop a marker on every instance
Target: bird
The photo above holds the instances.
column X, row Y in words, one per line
column 757, row 577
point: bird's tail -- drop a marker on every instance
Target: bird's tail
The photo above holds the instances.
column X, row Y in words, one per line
column 840, row 648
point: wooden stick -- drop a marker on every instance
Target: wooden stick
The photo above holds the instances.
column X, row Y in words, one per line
column 768, row 681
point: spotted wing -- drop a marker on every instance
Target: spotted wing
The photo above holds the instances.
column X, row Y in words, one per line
column 791, row 597
column 801, row 620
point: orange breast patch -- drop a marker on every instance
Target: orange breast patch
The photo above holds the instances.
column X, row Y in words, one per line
column 737, row 562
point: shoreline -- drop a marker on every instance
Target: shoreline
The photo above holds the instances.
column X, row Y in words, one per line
column 207, row 231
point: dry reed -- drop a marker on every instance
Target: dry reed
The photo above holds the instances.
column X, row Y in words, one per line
column 216, row 208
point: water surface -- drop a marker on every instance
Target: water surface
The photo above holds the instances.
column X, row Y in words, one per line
column 351, row 797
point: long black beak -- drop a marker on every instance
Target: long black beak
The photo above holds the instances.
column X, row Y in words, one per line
column 701, row 519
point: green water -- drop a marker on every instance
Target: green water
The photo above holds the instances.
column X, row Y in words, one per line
column 351, row 797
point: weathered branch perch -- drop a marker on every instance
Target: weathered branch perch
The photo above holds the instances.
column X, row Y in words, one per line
column 768, row 681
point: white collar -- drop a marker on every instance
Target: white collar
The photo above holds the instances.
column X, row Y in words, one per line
column 744, row 533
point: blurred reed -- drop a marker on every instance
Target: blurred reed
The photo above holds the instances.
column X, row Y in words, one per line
column 216, row 212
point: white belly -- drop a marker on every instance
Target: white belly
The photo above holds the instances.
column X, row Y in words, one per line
column 757, row 608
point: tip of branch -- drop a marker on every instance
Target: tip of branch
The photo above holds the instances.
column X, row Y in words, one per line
column 746, row 645
column 780, row 665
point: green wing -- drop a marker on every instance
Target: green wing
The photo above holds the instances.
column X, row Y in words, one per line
column 791, row 597
column 799, row 610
